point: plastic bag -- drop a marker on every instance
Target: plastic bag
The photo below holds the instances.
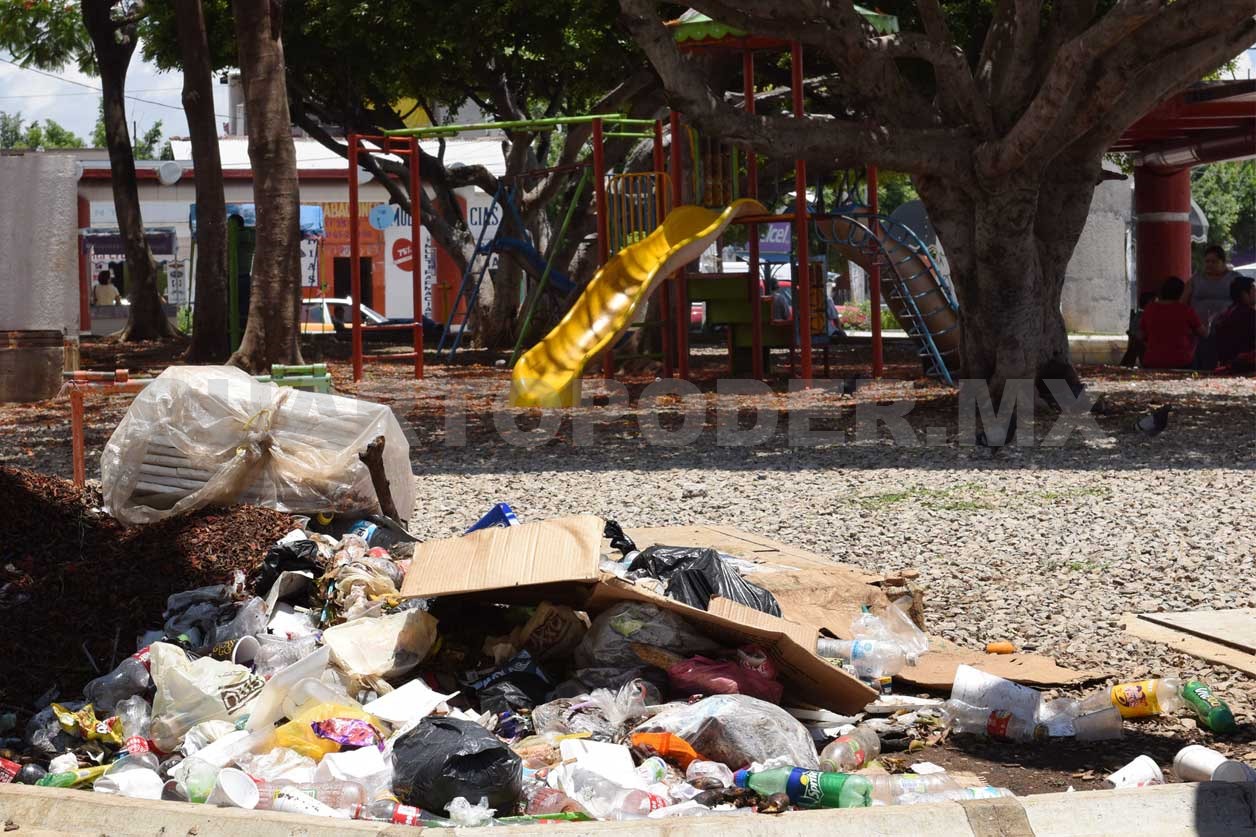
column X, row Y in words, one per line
column 383, row 647
column 301, row 734
column 191, row 691
column 737, row 730
column 465, row 815
column 608, row 642
column 273, row 446
column 553, row 632
column 443, row 758
column 899, row 624
column 521, row 672
column 695, row 574
column 279, row 763
column 601, row 715
column 291, row 556
column 711, row 677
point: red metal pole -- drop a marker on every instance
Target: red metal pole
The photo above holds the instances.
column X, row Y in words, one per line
column 76, row 434
column 603, row 228
column 355, row 270
column 416, row 252
column 679, row 289
column 660, row 211
column 874, row 280
column 802, row 295
column 752, row 230
column 1162, row 203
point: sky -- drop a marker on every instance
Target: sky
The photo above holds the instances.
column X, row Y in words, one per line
column 60, row 97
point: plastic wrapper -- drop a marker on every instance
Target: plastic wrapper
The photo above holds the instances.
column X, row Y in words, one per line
column 552, row 632
column 465, row 815
column 736, row 730
column 192, row 691
column 84, row 724
column 276, row 654
column 608, row 643
column 899, row 624
column 204, row 734
column 383, row 647
column 349, row 733
column 694, row 574
column 602, row 714
column 702, row 676
column 211, row 435
column 444, row 758
column 279, row 763
column 300, row 733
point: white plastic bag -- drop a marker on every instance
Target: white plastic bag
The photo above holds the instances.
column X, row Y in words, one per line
column 192, row 691
column 383, row 647
column 736, row 730
column 211, row 435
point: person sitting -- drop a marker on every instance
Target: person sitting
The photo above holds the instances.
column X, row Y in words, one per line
column 782, row 304
column 1209, row 291
column 1170, row 329
column 105, row 293
column 1235, row 328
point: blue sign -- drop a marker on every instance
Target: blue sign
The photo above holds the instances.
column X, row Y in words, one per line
column 382, row 216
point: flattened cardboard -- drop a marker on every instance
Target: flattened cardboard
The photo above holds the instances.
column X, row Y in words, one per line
column 561, row 550
column 1179, row 640
column 1235, row 627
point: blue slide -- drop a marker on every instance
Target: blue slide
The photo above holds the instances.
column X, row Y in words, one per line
column 558, row 283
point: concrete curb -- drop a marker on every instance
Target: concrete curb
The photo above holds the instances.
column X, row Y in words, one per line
column 1210, row 809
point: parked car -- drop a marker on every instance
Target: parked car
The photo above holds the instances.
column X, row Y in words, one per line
column 332, row 315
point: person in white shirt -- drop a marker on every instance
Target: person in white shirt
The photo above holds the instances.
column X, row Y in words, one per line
column 105, row 293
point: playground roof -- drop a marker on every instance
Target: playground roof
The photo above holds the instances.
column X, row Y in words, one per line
column 1208, row 122
column 693, row 28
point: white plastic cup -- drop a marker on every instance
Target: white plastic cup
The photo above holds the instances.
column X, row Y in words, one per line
column 1197, row 763
column 1103, row 725
column 1139, row 773
column 245, row 651
column 234, row 789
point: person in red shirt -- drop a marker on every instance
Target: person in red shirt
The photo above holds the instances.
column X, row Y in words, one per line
column 1235, row 328
column 1170, row 328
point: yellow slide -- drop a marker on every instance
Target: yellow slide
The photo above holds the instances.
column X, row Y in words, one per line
column 548, row 374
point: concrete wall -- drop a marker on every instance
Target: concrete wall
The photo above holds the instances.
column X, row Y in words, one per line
column 39, row 269
column 1096, row 296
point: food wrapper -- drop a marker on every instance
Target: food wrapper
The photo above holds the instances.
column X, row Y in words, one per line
column 349, row 733
column 87, row 726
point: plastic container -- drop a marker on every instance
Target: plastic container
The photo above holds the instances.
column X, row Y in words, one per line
column 809, row 788
column 1211, row 710
column 954, row 795
column 1196, row 763
column 294, row 802
column 1139, row 773
column 1101, row 725
column 343, row 796
column 130, row 678
column 709, row 770
column 1140, row 698
column 391, row 810
column 887, row 788
column 999, row 724
column 871, row 658
column 850, row 752
column 136, row 721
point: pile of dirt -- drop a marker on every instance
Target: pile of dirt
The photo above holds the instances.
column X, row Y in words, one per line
column 77, row 588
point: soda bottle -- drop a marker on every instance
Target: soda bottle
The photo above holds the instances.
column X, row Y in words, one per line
column 850, row 752
column 998, row 724
column 953, row 795
column 1212, row 710
column 809, row 788
column 390, row 809
column 542, row 799
column 136, row 722
column 1140, row 698
column 871, row 658
column 334, row 793
column 129, row 678
column 887, row 788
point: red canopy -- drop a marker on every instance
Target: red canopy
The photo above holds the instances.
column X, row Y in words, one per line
column 1207, row 123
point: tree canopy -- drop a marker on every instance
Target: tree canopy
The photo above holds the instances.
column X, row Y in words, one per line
column 15, row 133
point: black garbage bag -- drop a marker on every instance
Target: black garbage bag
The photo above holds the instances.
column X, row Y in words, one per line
column 297, row 556
column 618, row 539
column 695, row 574
column 444, row 758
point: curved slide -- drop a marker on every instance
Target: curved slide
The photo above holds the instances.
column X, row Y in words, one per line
column 548, row 374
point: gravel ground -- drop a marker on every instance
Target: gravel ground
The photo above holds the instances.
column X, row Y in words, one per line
column 1043, row 546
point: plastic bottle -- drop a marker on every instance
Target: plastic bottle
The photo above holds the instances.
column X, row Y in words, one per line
column 1140, row 698
column 1212, row 710
column 389, row 809
column 887, row 788
column 136, row 720
column 73, row 778
column 130, row 678
column 953, row 795
column 542, row 799
column 341, row 795
column 809, row 788
column 850, row 752
column 998, row 724
column 292, row 801
column 871, row 658
column 634, row 804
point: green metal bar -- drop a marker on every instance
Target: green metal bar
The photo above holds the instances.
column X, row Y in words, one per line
column 233, row 281
column 635, row 134
column 509, row 125
column 585, row 176
column 617, row 120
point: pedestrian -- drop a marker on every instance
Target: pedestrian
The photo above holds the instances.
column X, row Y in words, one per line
column 105, row 293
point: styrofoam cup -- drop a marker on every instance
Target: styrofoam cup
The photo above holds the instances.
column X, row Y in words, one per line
column 1103, row 725
column 1139, row 773
column 245, row 651
column 234, row 789
column 1197, row 763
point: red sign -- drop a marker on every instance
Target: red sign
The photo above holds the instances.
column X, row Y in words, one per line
column 402, row 254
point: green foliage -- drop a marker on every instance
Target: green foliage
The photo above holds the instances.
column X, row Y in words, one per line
column 99, row 138
column 183, row 320
column 859, row 317
column 48, row 34
column 893, row 190
column 50, row 134
column 1226, row 192
column 146, row 146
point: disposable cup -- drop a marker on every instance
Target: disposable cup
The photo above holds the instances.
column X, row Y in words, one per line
column 1098, row 726
column 234, row 789
column 245, row 651
column 1196, row 763
column 1139, row 773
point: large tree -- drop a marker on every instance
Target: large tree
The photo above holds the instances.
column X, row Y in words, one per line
column 51, row 134
column 211, row 341
column 272, row 334
column 99, row 36
column 1001, row 111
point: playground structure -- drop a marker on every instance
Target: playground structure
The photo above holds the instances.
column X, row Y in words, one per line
column 651, row 249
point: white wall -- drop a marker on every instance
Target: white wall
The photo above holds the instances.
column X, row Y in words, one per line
column 39, row 273
column 1096, row 297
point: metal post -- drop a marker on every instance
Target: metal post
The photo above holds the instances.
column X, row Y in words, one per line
column 234, row 225
column 416, row 252
column 752, row 230
column 355, row 270
column 660, row 212
column 76, row 434
column 678, row 286
column 603, row 228
column 874, row 279
column 802, row 290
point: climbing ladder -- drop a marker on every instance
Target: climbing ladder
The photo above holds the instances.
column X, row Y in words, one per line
column 912, row 284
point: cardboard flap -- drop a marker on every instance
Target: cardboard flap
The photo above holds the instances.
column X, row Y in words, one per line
column 564, row 549
column 936, row 670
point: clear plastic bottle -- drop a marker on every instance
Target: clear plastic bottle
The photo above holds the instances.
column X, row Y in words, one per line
column 809, row 788
column 1140, row 698
column 850, row 752
column 887, row 788
column 634, row 804
column 389, row 809
column 136, row 719
column 953, row 795
column 338, row 794
column 871, row 658
column 998, row 724
column 130, row 678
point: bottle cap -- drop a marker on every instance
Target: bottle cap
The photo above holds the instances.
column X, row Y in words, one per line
column 740, row 778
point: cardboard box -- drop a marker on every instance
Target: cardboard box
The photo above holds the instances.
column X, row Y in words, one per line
column 559, row 559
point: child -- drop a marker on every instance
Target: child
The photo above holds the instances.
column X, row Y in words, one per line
column 1170, row 329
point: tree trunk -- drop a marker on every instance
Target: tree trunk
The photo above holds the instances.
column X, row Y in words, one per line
column 114, row 45
column 211, row 342
column 1008, row 244
column 272, row 334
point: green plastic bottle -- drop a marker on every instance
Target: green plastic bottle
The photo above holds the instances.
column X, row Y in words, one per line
column 809, row 788
column 1212, row 710
column 73, row 778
